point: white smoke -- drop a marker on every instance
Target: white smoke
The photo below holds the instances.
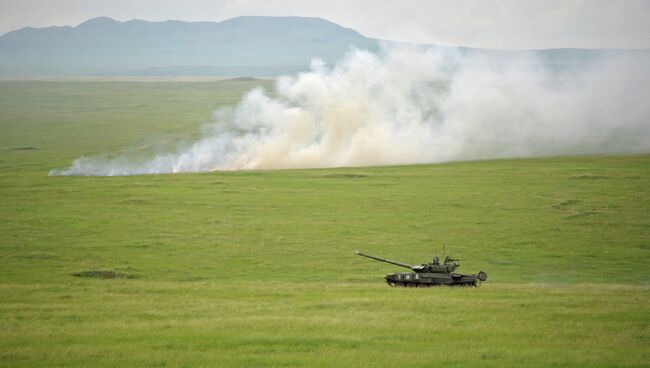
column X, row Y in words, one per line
column 414, row 105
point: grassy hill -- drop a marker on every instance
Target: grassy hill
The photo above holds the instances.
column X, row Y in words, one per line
column 256, row 268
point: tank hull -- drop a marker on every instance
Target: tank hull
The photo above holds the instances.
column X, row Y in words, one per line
column 406, row 279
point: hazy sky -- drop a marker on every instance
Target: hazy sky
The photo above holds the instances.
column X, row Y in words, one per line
column 479, row 23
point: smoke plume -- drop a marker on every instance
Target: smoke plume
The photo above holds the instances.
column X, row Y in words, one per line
column 415, row 105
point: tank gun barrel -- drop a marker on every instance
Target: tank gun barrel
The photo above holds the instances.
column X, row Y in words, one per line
column 383, row 260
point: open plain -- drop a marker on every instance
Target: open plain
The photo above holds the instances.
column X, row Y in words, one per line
column 256, row 268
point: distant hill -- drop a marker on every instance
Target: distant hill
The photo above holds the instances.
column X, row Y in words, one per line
column 238, row 46
column 242, row 46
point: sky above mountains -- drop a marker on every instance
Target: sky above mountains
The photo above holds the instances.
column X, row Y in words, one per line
column 504, row 24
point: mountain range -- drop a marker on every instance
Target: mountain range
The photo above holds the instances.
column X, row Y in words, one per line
column 247, row 45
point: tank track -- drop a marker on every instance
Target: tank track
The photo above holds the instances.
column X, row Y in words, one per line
column 427, row 285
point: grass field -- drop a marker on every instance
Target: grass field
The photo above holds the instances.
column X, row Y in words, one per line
column 256, row 268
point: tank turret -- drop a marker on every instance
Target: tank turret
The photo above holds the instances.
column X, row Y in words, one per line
column 429, row 274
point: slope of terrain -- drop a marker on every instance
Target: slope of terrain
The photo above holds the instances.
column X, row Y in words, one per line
column 256, row 268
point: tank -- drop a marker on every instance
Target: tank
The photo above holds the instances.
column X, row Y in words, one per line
column 431, row 274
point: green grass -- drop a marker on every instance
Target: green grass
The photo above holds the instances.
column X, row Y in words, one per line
column 256, row 268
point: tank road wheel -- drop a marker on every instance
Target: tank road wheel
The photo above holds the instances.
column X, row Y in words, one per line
column 482, row 276
column 411, row 285
column 399, row 284
column 390, row 283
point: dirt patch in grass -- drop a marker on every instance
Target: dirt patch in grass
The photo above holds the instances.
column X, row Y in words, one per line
column 23, row 148
column 565, row 203
column 37, row 256
column 103, row 274
column 135, row 201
